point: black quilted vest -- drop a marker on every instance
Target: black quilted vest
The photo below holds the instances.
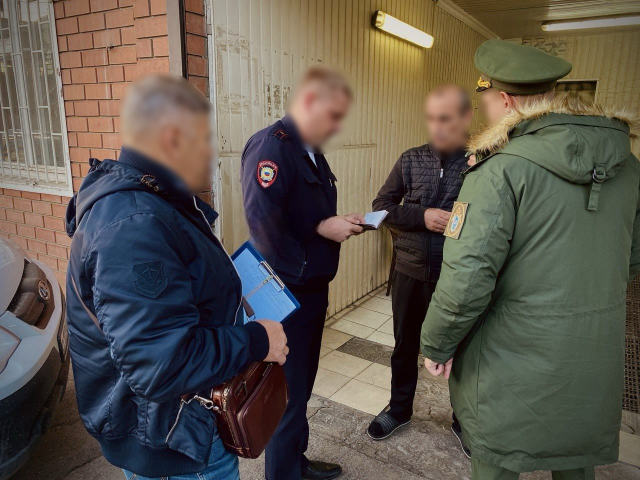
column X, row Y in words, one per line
column 430, row 183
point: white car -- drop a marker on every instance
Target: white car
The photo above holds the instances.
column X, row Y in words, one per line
column 34, row 353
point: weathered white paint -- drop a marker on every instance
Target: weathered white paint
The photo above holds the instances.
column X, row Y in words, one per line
column 259, row 47
column 613, row 59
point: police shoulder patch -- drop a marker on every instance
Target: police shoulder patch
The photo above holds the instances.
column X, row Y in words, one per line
column 281, row 134
column 149, row 279
column 456, row 220
column 267, row 173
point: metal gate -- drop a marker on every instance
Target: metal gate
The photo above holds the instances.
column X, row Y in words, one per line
column 631, row 396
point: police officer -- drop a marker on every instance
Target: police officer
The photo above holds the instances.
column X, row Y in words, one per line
column 528, row 317
column 290, row 200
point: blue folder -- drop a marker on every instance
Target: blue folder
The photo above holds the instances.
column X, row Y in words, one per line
column 265, row 295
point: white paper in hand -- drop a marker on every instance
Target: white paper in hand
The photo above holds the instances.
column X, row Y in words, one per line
column 372, row 220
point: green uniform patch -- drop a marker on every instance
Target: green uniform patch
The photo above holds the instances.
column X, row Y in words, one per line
column 456, row 220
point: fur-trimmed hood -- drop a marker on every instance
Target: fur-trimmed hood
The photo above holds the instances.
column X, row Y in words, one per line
column 563, row 135
column 491, row 139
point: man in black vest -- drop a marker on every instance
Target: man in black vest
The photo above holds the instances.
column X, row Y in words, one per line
column 428, row 179
column 290, row 200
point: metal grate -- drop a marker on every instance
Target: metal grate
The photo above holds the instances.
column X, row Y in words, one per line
column 631, row 398
column 33, row 149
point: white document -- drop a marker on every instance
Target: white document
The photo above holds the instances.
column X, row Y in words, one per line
column 372, row 220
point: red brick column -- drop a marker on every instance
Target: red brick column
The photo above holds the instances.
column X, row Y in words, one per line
column 196, row 45
column 197, row 54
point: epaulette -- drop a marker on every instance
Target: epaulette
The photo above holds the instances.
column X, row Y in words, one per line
column 479, row 161
column 281, row 134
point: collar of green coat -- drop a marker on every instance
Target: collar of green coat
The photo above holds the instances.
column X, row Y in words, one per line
column 562, row 109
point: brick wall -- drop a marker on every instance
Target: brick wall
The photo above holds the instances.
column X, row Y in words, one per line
column 35, row 221
column 196, row 45
column 103, row 45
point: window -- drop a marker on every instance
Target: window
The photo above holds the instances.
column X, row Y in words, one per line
column 585, row 89
column 33, row 149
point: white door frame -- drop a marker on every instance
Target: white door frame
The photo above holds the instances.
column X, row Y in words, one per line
column 216, row 183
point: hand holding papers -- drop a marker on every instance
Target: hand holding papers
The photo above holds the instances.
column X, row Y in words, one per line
column 372, row 220
column 264, row 294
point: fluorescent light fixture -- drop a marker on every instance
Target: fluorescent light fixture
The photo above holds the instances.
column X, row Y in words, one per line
column 599, row 22
column 392, row 25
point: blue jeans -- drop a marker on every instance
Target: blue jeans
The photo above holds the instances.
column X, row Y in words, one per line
column 222, row 466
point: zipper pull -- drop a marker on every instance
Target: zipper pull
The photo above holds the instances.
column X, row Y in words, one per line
column 441, row 172
column 183, row 402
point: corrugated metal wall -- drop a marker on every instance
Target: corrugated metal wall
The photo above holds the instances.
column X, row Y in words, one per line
column 611, row 58
column 260, row 46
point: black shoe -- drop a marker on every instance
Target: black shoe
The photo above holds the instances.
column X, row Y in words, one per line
column 457, row 431
column 321, row 471
column 384, row 425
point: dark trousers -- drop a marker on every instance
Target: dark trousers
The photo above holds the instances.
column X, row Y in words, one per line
column 285, row 457
column 410, row 300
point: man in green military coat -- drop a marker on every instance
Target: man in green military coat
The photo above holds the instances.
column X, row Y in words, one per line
column 529, row 313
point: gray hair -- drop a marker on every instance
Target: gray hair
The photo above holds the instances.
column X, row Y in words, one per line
column 156, row 98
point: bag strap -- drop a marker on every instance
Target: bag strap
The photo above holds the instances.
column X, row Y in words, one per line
column 247, row 307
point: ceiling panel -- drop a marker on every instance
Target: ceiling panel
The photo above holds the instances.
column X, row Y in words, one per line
column 522, row 18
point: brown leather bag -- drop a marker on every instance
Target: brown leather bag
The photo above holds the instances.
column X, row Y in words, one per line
column 249, row 408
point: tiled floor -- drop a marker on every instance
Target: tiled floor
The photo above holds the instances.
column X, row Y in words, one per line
column 630, row 448
column 348, row 379
column 359, row 379
column 369, row 318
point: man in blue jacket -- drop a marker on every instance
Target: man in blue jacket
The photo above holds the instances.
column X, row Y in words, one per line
column 290, row 200
column 153, row 298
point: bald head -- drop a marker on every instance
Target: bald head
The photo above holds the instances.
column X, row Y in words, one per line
column 452, row 93
column 166, row 119
column 319, row 103
column 448, row 114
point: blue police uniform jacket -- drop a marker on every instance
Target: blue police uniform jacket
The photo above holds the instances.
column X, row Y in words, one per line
column 286, row 196
column 152, row 301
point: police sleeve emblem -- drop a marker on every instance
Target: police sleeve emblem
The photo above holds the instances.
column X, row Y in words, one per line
column 456, row 220
column 267, row 173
